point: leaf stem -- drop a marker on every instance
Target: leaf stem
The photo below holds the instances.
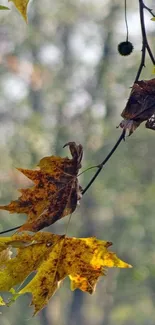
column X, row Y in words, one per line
column 126, row 22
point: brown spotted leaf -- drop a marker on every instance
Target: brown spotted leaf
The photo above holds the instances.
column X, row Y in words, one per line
column 55, row 193
column 54, row 257
column 140, row 106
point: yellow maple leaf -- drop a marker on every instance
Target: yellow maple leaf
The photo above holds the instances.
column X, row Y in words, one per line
column 21, row 5
column 54, row 257
column 55, row 193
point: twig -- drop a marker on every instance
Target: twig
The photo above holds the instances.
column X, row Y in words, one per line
column 149, row 10
column 11, row 229
column 122, row 136
column 145, row 44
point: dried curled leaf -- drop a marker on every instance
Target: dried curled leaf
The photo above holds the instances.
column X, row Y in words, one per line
column 55, row 193
column 140, row 106
column 21, row 5
column 54, row 257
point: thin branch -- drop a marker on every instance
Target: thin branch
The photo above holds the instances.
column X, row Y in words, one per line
column 149, row 10
column 11, row 229
column 142, row 63
column 142, row 6
column 145, row 44
column 143, row 33
column 122, row 136
column 150, row 53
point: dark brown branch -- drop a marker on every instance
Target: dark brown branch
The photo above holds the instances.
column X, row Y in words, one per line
column 143, row 33
column 122, row 137
column 142, row 63
column 149, row 10
column 150, row 53
column 9, row 230
column 145, row 44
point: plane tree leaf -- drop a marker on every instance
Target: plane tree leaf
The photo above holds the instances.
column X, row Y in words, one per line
column 55, row 193
column 53, row 258
column 140, row 106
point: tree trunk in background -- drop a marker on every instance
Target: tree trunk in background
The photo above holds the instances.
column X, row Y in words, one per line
column 35, row 88
column 61, row 136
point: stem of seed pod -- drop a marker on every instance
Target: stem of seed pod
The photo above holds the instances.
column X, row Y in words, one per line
column 126, row 22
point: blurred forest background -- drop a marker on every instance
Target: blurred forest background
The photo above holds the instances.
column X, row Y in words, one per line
column 62, row 79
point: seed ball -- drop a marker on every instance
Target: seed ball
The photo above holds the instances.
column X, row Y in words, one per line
column 125, row 48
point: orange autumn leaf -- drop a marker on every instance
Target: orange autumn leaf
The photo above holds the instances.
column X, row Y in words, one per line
column 55, row 193
column 140, row 106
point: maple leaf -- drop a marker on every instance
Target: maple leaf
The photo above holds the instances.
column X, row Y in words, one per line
column 56, row 191
column 54, row 257
column 21, row 5
column 140, row 106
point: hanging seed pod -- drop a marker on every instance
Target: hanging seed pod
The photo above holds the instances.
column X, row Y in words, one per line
column 125, row 48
